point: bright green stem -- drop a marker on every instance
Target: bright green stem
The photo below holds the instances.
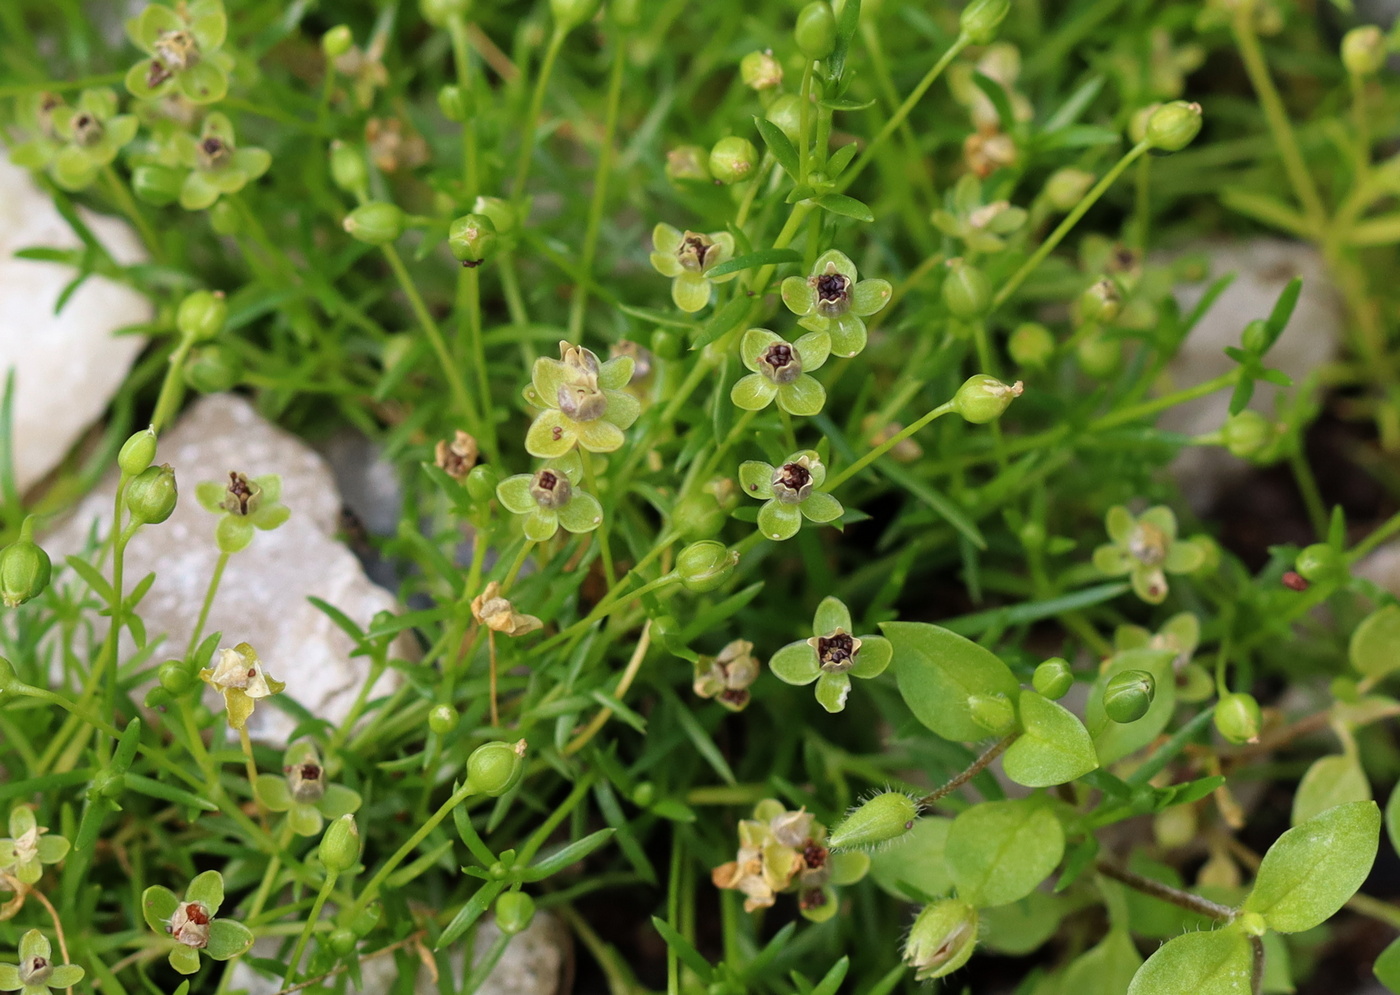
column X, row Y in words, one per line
column 532, row 116
column 1071, row 219
column 208, row 603
column 430, row 328
column 327, row 887
column 466, row 81
column 122, row 195
column 804, row 123
column 371, row 889
column 172, row 388
column 515, row 567
column 590, row 483
column 1125, row 415
column 886, row 446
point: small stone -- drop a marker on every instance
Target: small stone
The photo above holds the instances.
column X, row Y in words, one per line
column 67, row 366
column 263, row 597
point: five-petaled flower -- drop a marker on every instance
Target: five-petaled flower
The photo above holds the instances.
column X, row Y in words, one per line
column 551, row 497
column 238, row 676
column 36, row 973
column 831, row 300
column 790, row 493
column 93, row 133
column 303, row 791
column 688, row 257
column 584, row 403
column 183, row 48
column 191, row 922
column 1146, row 548
column 832, row 656
column 780, row 371
column 217, row 166
column 727, row 677
column 24, row 852
column 243, row 504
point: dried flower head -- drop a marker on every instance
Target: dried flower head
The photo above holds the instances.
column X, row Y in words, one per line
column 728, row 676
column 490, row 609
column 457, row 457
column 238, row 675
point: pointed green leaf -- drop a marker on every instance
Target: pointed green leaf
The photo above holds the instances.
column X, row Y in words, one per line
column 1053, row 748
column 939, row 671
column 1329, row 782
column 1375, row 645
column 1218, row 962
column 998, row 852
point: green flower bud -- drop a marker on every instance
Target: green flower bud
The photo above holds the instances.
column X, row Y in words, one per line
column 482, row 481
column 367, row 918
column 569, row 14
column 337, row 41
column 494, row 768
column 342, row 941
column 224, row 218
column 157, row 185
column 340, row 845
column 501, row 212
column 1363, row 50
column 981, row 19
column 348, row 169
column 732, row 159
column 442, row 719
column 982, row 399
column 515, row 910
column 1053, row 678
column 644, row 794
column 688, row 162
column 24, row 568
column 887, row 816
column 157, row 697
column 152, row 494
column 966, row 291
column 698, row 517
column 201, row 315
column 993, row 712
column 1255, row 336
column 174, row 676
column 760, row 71
column 472, row 239
column 137, row 452
column 107, row 783
column 815, row 32
column 786, row 112
column 1238, row 718
column 1031, row 345
column 439, row 12
column 1247, row 434
column 1173, row 126
column 213, row 369
column 704, row 566
column 453, row 103
column 1067, row 187
column 666, row 344
column 942, row 939
column 1129, row 695
column 1101, row 302
column 375, row 223
column 1320, row 562
column 1099, row 355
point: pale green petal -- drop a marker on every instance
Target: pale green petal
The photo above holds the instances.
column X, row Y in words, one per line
column 210, row 495
column 547, row 376
column 756, row 478
column 753, row 392
column 1184, row 557
column 184, row 959
column 844, row 266
column 136, row 80
column 158, row 904
column 34, row 944
column 270, row 516
column 29, row 871
column 1150, row 584
column 233, row 533
column 873, row 657
column 616, row 373
column 73, row 168
column 1119, row 522
column 804, row 396
column 723, row 249
column 273, row 793
column 582, row 514
column 204, row 82
column 153, row 22
column 832, row 614
column 208, row 24
column 690, row 292
column 815, row 466
column 65, row 976
column 514, row 494
column 600, row 436
column 814, row 348
column 9, row 978
column 339, row 800
column 821, row 508
column 304, row 820
column 551, row 435
column 22, row 821
column 779, row 521
column 1112, row 560
column 207, row 889
column 570, row 465
column 228, row 939
column 795, row 663
column 541, row 524
column 199, row 191
column 251, row 162
column 623, row 408
column 1162, row 518
column 848, row 336
column 667, row 239
column 870, row 296
column 52, row 849
column 832, row 690
column 753, row 343
column 666, row 264
column 799, row 296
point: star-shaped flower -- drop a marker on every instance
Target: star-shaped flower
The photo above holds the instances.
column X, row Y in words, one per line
column 584, row 402
column 24, row 852
column 238, row 676
column 183, row 46
column 217, row 166
column 790, row 493
column 93, row 133
column 832, row 656
column 303, row 791
column 192, row 924
column 36, row 973
column 832, row 300
column 244, row 504
column 1146, row 548
column 687, row 257
column 551, row 498
column 780, row 372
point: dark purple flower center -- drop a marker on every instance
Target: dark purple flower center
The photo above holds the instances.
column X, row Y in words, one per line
column 836, row 652
column 832, row 287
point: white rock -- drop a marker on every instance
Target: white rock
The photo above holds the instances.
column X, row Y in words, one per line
column 67, row 365
column 263, row 597
column 1263, row 267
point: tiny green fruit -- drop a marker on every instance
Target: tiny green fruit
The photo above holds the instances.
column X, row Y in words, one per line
column 704, row 566
column 966, row 290
column 515, row 910
column 1129, row 695
column 981, row 19
column 1238, row 718
column 733, row 159
column 201, row 315
column 494, row 768
column 137, row 452
column 337, row 41
column 1173, row 126
column 887, row 816
column 983, row 399
column 1053, row 678
column 942, row 939
column 340, row 846
column 375, row 223
column 152, row 494
column 472, row 239
column 1320, row 562
column 815, row 32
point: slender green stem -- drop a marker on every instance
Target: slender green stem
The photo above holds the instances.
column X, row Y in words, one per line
column 515, row 566
column 371, row 890
column 172, row 388
column 1312, row 496
column 804, row 123
column 312, row 918
column 430, row 328
column 117, row 187
column 886, row 446
column 208, row 604
column 590, row 483
column 466, row 82
column 1142, row 410
column 532, row 116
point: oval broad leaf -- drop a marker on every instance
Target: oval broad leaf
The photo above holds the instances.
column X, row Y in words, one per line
column 1329, row 782
column 1375, row 645
column 1053, row 748
column 912, row 867
column 998, row 852
column 939, row 670
column 1311, row 870
column 1207, row 963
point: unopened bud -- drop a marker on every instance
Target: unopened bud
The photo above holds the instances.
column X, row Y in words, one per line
column 152, row 494
column 704, row 566
column 348, row 169
column 375, row 223
column 442, row 719
column 1067, row 187
column 1255, row 337
column 1247, row 434
column 1053, row 678
column 993, row 712
column 688, row 162
column 1101, row 302
column 501, row 212
column 1238, row 718
column 342, row 941
column 1031, row 345
column 24, row 568
column 340, row 845
column 137, row 452
column 174, row 676
column 966, row 291
column 786, row 112
column 1320, row 562
column 453, row 103
column 569, row 14
column 760, row 71
column 337, row 41
column 482, row 482
column 201, row 315
column 983, row 399
column 887, row 816
column 981, row 19
column 494, row 768
column 515, row 910
column 698, row 517
column 1363, row 50
column 942, row 939
column 1128, row 695
column 815, row 32
column 733, row 159
column 1173, row 126
column 472, row 239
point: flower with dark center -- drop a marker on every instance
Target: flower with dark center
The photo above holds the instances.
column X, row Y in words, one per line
column 304, row 791
column 190, row 925
column 727, row 677
column 687, row 258
column 307, row 782
column 551, row 490
column 582, row 401
column 693, row 250
column 213, row 152
column 781, row 363
column 241, row 497
column 551, row 498
column 832, row 656
column 192, row 922
column 831, row 299
column 791, row 493
column 837, row 652
column 833, row 292
column 792, row 483
column 177, row 49
column 37, row 973
column 245, row 505
column 780, row 372
column 87, row 130
column 1148, row 544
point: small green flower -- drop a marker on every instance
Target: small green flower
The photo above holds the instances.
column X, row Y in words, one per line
column 790, row 492
column 687, row 256
column 303, row 793
column 239, row 677
column 192, row 924
column 36, row 973
column 34, row 116
column 780, row 372
column 584, row 402
column 93, row 133
column 551, row 498
column 832, row 656
column 831, row 300
column 1147, row 549
column 216, row 165
column 183, row 46
column 24, row 852
column 980, row 226
column 244, row 505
